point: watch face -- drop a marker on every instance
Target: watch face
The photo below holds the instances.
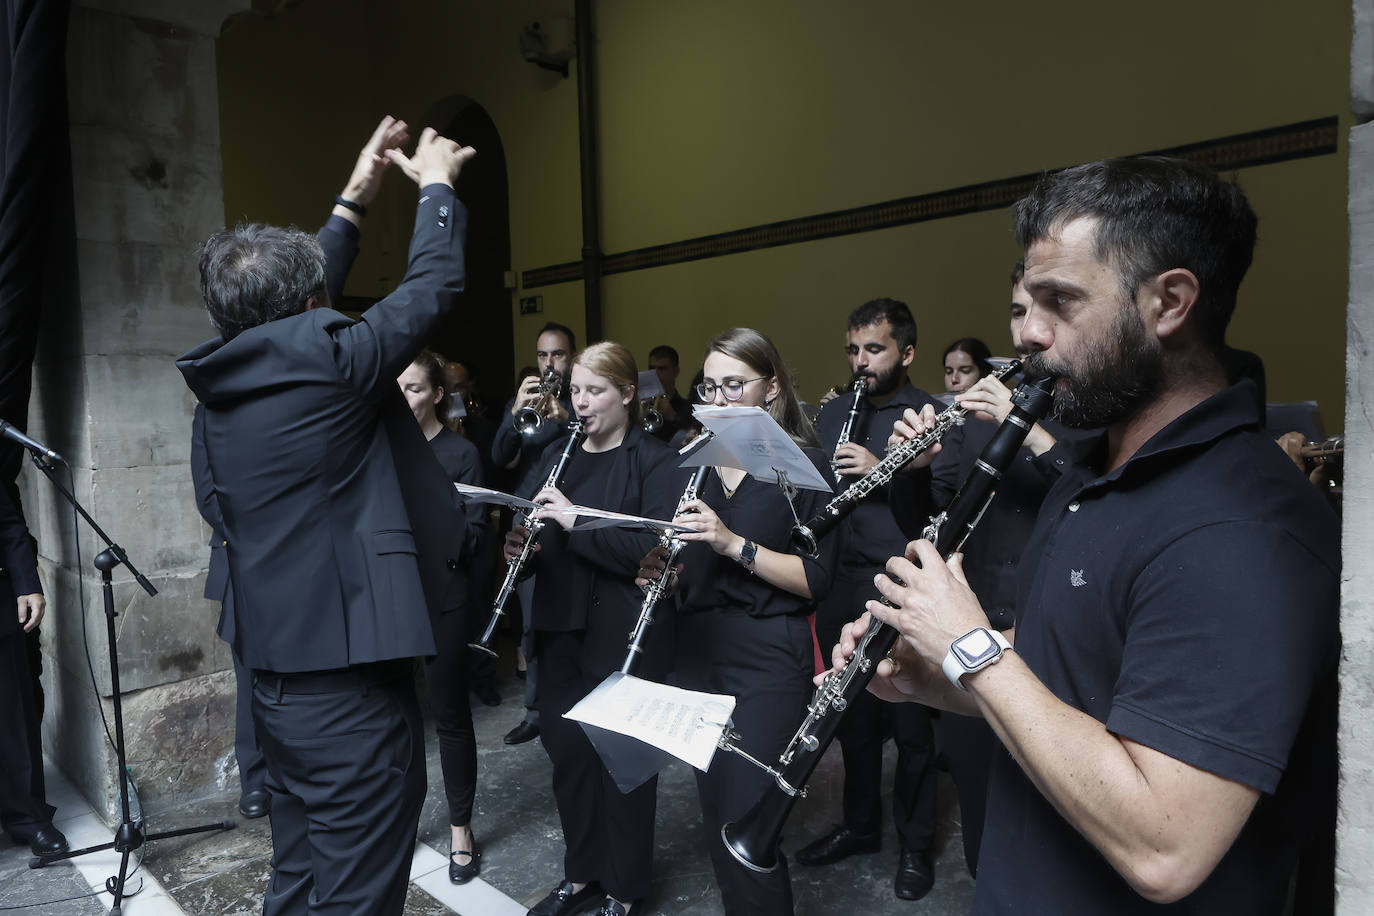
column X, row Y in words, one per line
column 975, row 649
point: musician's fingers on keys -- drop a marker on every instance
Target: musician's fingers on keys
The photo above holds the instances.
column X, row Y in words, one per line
column 933, row 604
column 705, row 524
column 651, row 567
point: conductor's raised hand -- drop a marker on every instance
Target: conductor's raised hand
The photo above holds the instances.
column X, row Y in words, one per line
column 933, row 604
column 912, row 425
column 372, row 160
column 436, row 160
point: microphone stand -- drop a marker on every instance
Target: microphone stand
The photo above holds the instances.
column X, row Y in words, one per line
column 128, row 837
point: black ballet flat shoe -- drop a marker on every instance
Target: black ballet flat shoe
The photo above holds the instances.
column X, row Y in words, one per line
column 255, row 803
column 562, row 901
column 462, row 874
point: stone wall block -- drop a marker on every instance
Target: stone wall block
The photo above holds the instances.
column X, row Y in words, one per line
column 141, row 299
column 144, row 188
column 142, row 76
column 1355, row 825
column 181, row 736
column 151, row 512
column 81, row 753
column 1362, row 60
column 141, row 410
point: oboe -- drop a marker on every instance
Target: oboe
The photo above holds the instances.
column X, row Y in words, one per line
column 516, row 569
column 659, row 587
column 860, row 386
column 753, row 839
column 807, row 536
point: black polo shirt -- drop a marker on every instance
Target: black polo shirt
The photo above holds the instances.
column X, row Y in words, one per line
column 1188, row 600
column 870, row 535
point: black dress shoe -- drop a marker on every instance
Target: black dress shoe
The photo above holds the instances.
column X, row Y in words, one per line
column 561, row 901
column 611, row 907
column 525, row 731
column 255, row 803
column 48, row 841
column 915, row 875
column 462, row 874
column 841, row 843
column 487, row 694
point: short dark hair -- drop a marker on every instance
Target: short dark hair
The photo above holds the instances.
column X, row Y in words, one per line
column 666, row 352
column 1018, row 272
column 253, row 274
column 893, row 312
column 561, row 329
column 1154, row 214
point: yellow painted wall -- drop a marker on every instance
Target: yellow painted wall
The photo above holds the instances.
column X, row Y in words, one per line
column 716, row 115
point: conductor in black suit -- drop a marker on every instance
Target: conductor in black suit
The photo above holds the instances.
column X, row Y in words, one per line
column 334, row 558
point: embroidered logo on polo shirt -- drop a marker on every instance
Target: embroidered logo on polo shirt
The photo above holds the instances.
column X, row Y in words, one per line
column 1076, row 578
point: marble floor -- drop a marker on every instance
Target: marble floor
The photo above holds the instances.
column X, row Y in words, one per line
column 219, row 874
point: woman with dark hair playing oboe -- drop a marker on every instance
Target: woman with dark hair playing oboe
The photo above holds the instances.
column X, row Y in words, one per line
column 743, row 599
column 585, row 604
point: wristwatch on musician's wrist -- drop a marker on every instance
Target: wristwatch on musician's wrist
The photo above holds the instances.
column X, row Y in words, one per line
column 973, row 651
column 747, row 552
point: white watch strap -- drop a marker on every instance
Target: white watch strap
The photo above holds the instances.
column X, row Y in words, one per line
column 954, row 669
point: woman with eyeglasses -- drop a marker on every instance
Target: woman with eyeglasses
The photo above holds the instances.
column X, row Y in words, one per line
column 585, row 604
column 743, row 597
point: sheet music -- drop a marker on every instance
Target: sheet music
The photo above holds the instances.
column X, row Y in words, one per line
column 649, row 385
column 605, row 518
column 483, row 495
column 750, row 439
column 685, row 723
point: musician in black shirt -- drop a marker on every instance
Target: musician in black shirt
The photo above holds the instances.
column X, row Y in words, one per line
column 743, row 599
column 585, row 604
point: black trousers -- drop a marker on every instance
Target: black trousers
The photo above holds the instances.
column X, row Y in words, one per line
column 866, row 725
column 447, row 676
column 968, row 745
column 252, row 769
column 609, row 834
column 23, row 809
column 346, row 770
column 766, row 664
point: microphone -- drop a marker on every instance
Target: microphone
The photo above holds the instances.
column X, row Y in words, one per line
column 8, row 431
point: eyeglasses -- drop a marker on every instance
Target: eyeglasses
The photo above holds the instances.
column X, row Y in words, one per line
column 733, row 389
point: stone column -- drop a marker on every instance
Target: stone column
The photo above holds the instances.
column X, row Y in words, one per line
column 1355, row 824
column 146, row 188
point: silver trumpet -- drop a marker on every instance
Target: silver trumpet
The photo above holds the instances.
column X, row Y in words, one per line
column 807, row 536
column 529, row 419
column 651, row 418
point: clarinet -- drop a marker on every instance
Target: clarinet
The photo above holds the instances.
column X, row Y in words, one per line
column 860, row 387
column 659, row 587
column 807, row 536
column 753, row 839
column 516, row 569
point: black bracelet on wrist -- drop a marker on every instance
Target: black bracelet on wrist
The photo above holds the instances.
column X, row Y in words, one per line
column 350, row 205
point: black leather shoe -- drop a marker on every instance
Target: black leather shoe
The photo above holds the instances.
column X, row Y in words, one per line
column 561, row 901
column 840, row 843
column 255, row 803
column 462, row 874
column 48, row 841
column 487, row 694
column 525, row 731
column 611, row 907
column 915, row 875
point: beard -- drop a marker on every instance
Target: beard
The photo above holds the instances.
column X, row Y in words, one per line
column 882, row 383
column 1119, row 373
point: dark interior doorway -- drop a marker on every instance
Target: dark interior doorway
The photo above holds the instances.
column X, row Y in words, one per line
column 480, row 331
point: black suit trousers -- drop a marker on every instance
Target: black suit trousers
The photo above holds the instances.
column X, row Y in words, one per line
column 23, row 810
column 346, row 770
column 609, row 834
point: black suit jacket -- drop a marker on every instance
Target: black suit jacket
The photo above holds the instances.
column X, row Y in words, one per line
column 334, row 555
column 18, row 558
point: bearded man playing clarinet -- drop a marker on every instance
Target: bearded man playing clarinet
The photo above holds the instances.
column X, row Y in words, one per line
column 1169, row 706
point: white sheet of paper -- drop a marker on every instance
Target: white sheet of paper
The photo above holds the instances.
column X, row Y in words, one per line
column 484, row 495
column 685, row 723
column 649, row 385
column 605, row 518
column 750, row 439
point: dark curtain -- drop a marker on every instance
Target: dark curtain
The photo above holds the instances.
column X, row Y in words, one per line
column 35, row 161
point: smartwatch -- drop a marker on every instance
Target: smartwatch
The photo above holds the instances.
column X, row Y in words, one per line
column 973, row 651
column 747, row 553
